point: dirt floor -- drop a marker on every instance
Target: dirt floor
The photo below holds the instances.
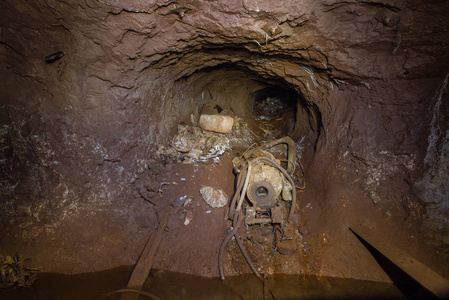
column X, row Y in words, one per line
column 198, row 241
column 318, row 241
column 170, row 285
column 194, row 235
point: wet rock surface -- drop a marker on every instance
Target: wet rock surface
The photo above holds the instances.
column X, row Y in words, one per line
column 90, row 90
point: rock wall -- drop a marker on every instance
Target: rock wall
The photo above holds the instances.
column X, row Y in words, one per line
column 431, row 186
column 89, row 89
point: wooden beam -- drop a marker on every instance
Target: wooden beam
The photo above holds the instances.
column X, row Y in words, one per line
column 428, row 278
column 146, row 260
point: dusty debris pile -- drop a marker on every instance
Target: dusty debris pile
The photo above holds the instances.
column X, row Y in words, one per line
column 193, row 144
column 15, row 273
column 207, row 139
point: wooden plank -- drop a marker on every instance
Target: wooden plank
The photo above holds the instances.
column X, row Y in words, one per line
column 146, row 260
column 431, row 280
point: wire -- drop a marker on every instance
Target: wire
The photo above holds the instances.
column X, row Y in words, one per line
column 245, row 186
column 289, row 162
column 246, row 256
column 247, row 150
column 240, row 182
column 303, row 186
column 238, row 216
column 146, row 294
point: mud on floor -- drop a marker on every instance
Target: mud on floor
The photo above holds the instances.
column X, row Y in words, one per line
column 171, row 285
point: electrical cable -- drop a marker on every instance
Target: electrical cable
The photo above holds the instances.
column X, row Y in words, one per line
column 240, row 182
column 245, row 187
column 146, row 294
column 238, row 216
column 246, row 256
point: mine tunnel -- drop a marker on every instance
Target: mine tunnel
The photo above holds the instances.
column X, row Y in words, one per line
column 271, row 107
column 224, row 149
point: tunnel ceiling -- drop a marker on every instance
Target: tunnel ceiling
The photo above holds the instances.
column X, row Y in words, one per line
column 89, row 91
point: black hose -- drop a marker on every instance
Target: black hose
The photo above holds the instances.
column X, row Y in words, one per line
column 237, row 222
column 238, row 216
column 246, row 256
column 240, row 182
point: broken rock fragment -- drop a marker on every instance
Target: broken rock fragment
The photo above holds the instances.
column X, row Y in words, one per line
column 216, row 123
column 189, row 218
column 214, row 197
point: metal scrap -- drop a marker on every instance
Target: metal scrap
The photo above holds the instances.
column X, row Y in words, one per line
column 162, row 187
column 194, row 144
column 14, row 273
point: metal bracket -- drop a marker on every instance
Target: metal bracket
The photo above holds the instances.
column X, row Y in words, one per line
column 276, row 217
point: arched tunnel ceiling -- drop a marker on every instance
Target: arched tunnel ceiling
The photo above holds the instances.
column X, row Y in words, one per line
column 77, row 132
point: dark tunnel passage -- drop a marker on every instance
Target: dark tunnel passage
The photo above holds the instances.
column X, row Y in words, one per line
column 267, row 105
column 274, row 109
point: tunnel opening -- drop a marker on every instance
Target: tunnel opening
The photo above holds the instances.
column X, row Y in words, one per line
column 271, row 102
column 268, row 106
column 274, row 111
